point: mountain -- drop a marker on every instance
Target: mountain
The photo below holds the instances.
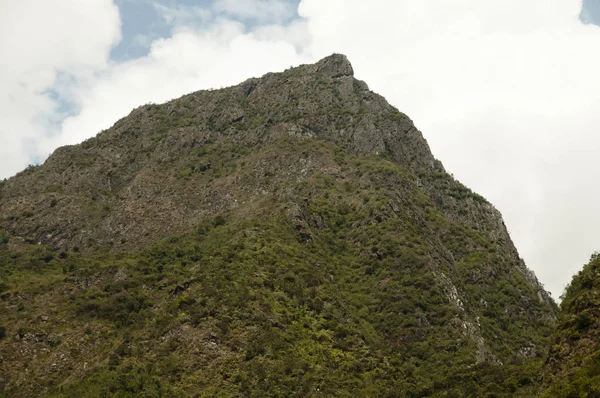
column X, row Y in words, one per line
column 289, row 236
column 572, row 368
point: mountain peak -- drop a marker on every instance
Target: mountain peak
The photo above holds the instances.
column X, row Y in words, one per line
column 335, row 65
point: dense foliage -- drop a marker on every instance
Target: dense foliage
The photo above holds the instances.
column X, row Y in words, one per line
column 246, row 310
column 573, row 366
column 334, row 296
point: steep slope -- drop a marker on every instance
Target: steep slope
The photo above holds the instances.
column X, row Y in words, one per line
column 573, row 365
column 147, row 177
column 314, row 247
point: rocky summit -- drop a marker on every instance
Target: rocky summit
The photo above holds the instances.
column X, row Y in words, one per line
column 289, row 236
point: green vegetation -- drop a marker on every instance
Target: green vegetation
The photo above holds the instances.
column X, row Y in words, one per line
column 573, row 368
column 340, row 300
column 262, row 313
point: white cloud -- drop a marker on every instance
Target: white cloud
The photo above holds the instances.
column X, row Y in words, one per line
column 38, row 40
column 296, row 33
column 506, row 92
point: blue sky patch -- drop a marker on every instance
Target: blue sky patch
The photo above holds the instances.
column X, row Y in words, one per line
column 590, row 12
column 144, row 21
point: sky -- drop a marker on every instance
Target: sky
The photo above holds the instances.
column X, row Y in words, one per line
column 505, row 91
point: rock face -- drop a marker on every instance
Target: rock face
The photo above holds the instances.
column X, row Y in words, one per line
column 131, row 179
column 317, row 201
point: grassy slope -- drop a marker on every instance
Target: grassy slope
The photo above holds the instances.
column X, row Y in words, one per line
column 330, row 285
